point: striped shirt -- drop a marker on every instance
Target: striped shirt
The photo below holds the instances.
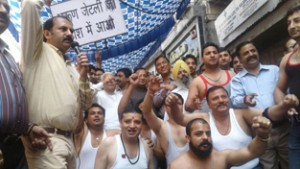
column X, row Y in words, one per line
column 13, row 104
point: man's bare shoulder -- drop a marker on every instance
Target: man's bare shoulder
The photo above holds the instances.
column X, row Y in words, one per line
column 197, row 87
column 197, row 81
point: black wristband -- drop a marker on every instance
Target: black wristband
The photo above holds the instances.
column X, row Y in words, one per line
column 266, row 113
column 30, row 127
column 275, row 124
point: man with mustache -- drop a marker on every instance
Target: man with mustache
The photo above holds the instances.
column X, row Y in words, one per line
column 203, row 155
column 13, row 106
column 231, row 128
column 122, row 78
column 212, row 76
column 254, row 87
column 56, row 91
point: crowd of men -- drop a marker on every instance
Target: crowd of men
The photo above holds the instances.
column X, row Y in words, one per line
column 234, row 112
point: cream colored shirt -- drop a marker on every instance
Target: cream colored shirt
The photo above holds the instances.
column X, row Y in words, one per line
column 52, row 86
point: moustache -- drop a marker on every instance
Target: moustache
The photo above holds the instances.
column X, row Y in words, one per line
column 222, row 104
column 251, row 57
column 185, row 79
column 205, row 143
column 68, row 38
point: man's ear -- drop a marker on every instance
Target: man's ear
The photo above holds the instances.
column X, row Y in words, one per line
column 188, row 138
column 47, row 34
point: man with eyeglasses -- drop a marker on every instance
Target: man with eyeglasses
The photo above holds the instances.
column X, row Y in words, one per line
column 109, row 99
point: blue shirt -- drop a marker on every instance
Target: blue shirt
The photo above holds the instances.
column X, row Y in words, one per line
column 263, row 84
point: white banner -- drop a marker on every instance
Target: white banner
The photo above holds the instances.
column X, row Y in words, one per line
column 234, row 15
column 93, row 20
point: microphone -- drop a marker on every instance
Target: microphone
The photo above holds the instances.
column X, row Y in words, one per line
column 75, row 46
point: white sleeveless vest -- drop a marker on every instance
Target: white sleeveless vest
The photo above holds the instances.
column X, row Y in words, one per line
column 87, row 156
column 122, row 161
column 235, row 139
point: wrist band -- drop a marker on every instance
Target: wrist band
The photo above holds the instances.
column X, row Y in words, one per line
column 30, row 127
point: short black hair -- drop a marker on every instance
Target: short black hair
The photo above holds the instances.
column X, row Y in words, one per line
column 221, row 49
column 139, row 68
column 127, row 72
column 292, row 10
column 91, row 67
column 190, row 56
column 161, row 56
column 121, row 115
column 240, row 45
column 86, row 112
column 190, row 123
column 48, row 25
column 208, row 44
column 213, row 89
column 100, row 69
